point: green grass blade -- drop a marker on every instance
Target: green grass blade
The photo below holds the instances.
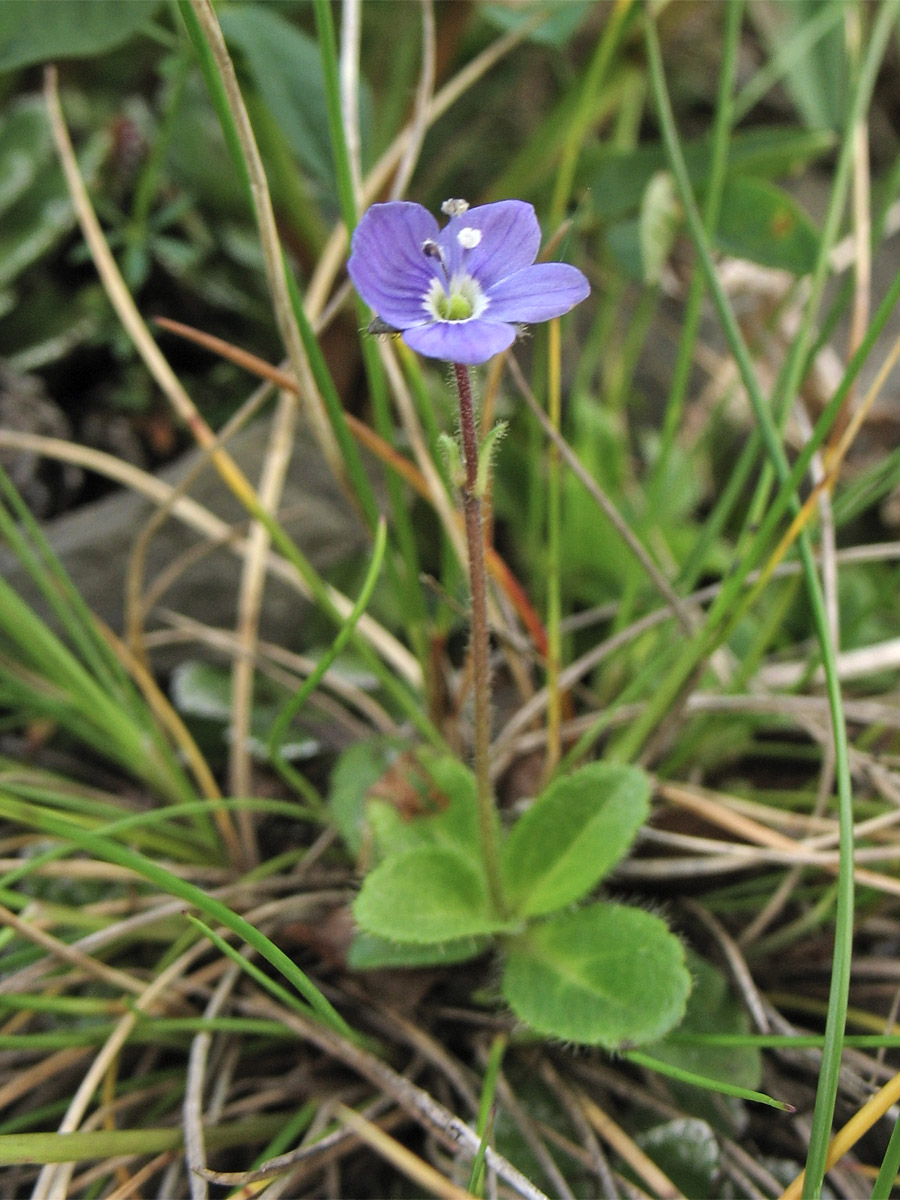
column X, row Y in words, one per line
column 828, row 1082
column 108, row 850
column 282, row 721
column 704, row 1082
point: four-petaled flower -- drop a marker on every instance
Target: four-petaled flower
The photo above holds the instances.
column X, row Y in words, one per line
column 458, row 293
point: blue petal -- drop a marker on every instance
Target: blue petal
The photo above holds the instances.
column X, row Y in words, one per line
column 510, row 240
column 537, row 293
column 387, row 265
column 469, row 342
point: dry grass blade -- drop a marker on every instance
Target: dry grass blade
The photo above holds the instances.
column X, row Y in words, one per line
column 250, row 597
column 857, row 1127
column 195, row 1151
column 420, row 1172
column 423, row 478
column 784, row 849
column 418, row 126
column 595, row 1159
column 130, row 1190
column 210, row 526
column 137, row 605
column 290, row 670
column 53, row 1180
column 660, row 582
column 269, row 240
column 452, row 1132
column 661, row 1186
column 63, row 952
column 26, row 1081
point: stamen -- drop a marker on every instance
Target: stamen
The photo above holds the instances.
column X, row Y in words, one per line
column 455, row 208
column 469, row 238
column 433, row 250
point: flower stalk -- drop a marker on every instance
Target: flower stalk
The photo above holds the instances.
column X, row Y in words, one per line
column 480, row 645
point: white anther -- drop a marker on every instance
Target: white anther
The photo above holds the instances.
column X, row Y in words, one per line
column 455, row 208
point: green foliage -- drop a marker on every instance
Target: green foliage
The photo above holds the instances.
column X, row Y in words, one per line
column 356, row 772
column 35, row 210
column 687, row 1151
column 432, row 894
column 574, row 117
column 368, row 952
column 277, row 54
column 658, row 225
column 572, row 835
column 633, row 194
column 43, row 30
column 762, row 223
column 560, row 22
column 563, row 975
column 201, row 692
column 711, row 1005
column 71, row 676
column 606, row 974
column 819, row 74
column 619, row 178
column 440, row 809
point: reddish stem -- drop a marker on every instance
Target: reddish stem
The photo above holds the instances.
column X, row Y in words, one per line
column 480, row 646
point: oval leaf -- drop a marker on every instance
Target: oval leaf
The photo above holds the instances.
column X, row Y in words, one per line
column 573, row 835
column 368, row 953
column 688, row 1152
column 712, row 1006
column 606, row 975
column 432, row 894
column 47, row 29
column 761, row 222
column 431, row 800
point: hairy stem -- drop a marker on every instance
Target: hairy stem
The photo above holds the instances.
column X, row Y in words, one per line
column 481, row 669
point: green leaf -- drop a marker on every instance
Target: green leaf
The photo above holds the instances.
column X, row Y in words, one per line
column 203, row 691
column 818, row 79
column 573, row 835
column 619, row 178
column 278, row 55
column 43, row 214
column 431, row 894
column 687, row 1151
column 25, row 145
column 357, row 770
column 712, row 1006
column 46, row 29
column 623, row 241
column 605, row 975
column 368, row 952
column 762, row 223
column 562, row 22
column 442, row 790
column 286, row 67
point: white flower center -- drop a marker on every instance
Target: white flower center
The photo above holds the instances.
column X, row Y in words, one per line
column 462, row 300
column 469, row 238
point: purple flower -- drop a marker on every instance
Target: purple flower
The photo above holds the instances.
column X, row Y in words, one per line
column 458, row 293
